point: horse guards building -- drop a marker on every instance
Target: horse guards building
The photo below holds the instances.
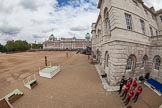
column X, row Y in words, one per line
column 66, row 43
column 127, row 40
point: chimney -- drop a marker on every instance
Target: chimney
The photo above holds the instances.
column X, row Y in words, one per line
column 152, row 9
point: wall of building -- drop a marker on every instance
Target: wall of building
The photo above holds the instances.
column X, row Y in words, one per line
column 64, row 44
column 159, row 22
column 121, row 43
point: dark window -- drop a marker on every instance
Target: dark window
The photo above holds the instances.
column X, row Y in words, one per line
column 151, row 31
column 143, row 26
column 156, row 33
column 144, row 61
column 157, row 61
column 130, row 63
column 161, row 18
column 129, row 21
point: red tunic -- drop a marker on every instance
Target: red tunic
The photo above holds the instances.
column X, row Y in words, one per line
column 127, row 87
column 134, row 84
column 131, row 93
column 139, row 90
column 130, row 80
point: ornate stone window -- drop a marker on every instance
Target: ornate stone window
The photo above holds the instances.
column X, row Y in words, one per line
column 161, row 18
column 142, row 26
column 129, row 21
column 157, row 61
column 106, row 58
column 144, row 61
column 107, row 19
column 156, row 33
column 151, row 31
column 130, row 63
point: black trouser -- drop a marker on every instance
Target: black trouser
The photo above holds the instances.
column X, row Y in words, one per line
column 127, row 101
column 135, row 98
column 120, row 89
column 124, row 94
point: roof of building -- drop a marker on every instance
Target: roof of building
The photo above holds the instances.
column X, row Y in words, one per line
column 159, row 12
column 87, row 36
column 151, row 10
column 99, row 4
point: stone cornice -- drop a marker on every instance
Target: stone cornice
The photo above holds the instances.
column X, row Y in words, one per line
column 99, row 4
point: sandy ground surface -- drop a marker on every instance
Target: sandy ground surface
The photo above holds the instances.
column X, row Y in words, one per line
column 76, row 86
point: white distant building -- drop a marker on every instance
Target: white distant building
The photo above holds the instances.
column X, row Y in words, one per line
column 66, row 43
column 127, row 40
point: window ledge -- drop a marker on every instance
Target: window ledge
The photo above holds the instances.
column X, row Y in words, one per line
column 129, row 70
column 156, row 70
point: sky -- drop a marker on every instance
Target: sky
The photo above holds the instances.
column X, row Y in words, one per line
column 35, row 20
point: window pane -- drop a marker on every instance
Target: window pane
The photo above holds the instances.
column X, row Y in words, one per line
column 128, row 21
column 157, row 63
column 143, row 26
column 151, row 31
column 161, row 18
column 129, row 63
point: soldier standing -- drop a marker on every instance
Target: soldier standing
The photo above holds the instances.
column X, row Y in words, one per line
column 67, row 53
column 134, row 83
column 126, row 89
column 45, row 60
column 138, row 92
column 130, row 95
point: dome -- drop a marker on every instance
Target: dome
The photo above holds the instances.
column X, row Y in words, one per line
column 87, row 36
column 74, row 37
column 52, row 38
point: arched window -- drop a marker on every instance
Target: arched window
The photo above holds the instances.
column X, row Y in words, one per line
column 131, row 63
column 144, row 61
column 157, row 61
column 107, row 61
column 106, row 58
column 107, row 19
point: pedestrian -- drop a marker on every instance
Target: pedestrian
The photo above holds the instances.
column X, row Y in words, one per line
column 122, row 82
column 45, row 60
column 130, row 95
column 138, row 92
column 134, row 84
column 67, row 54
column 126, row 89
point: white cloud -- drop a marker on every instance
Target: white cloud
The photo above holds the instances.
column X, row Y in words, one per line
column 157, row 4
column 36, row 19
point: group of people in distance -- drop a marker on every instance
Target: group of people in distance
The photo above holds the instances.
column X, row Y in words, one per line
column 131, row 89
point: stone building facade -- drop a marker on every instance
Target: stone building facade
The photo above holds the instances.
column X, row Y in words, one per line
column 66, row 43
column 127, row 40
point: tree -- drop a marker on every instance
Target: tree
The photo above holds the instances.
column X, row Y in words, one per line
column 17, row 45
column 37, row 46
column 2, row 48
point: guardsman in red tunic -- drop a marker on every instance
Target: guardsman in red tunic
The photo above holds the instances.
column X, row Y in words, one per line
column 126, row 89
column 134, row 84
column 130, row 80
column 138, row 92
column 130, row 95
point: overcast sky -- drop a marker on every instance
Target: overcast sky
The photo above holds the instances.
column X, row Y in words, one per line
column 36, row 19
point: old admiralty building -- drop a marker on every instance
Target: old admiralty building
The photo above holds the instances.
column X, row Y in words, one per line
column 127, row 40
